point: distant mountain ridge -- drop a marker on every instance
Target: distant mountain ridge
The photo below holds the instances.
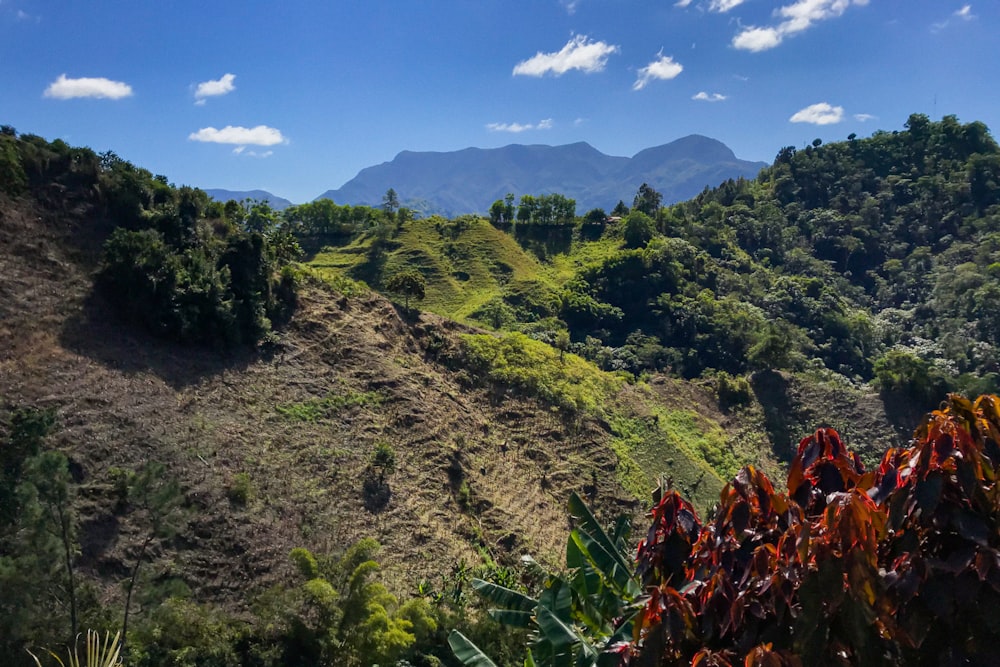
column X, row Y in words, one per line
column 470, row 180
column 276, row 202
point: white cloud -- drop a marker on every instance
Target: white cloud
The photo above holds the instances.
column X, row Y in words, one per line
column 101, row 88
column 262, row 135
column 965, row 14
column 682, row 3
column 757, row 39
column 663, row 68
column 709, row 97
column 570, row 6
column 214, row 88
column 723, row 5
column 579, row 121
column 544, row 124
column 795, row 18
column 579, row 53
column 864, row 117
column 819, row 114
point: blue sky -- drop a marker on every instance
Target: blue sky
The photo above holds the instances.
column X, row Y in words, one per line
column 296, row 97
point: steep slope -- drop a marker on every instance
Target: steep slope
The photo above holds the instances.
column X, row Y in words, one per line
column 123, row 399
column 469, row 180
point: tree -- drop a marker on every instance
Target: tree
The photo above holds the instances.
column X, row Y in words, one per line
column 409, row 284
column 620, row 210
column 595, row 216
column 156, row 499
column 390, row 202
column 647, row 200
column 383, row 460
column 639, row 229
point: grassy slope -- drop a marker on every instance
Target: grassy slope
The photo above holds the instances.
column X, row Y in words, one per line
column 467, row 266
column 464, row 268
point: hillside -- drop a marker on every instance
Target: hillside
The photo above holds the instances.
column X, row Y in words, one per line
column 272, row 448
column 469, row 180
column 677, row 345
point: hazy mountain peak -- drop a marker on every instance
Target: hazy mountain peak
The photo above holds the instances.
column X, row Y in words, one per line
column 470, row 179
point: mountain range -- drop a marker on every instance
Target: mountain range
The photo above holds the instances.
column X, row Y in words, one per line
column 470, row 180
column 277, row 203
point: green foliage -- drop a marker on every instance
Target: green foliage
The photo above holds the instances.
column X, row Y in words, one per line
column 647, row 201
column 184, row 633
column 574, row 616
column 316, row 409
column 733, row 391
column 909, row 376
column 37, row 537
column 639, row 229
column 551, row 209
column 383, row 460
column 13, row 180
column 240, row 489
column 341, row 615
column 167, row 265
column 516, row 361
column 409, row 284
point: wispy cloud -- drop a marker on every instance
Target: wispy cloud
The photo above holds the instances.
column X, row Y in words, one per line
column 214, row 88
column 723, row 5
column 864, row 117
column 795, row 18
column 709, row 97
column 242, row 150
column 682, row 3
column 962, row 14
column 262, row 135
column 819, row 114
column 579, row 53
column 570, row 6
column 545, row 124
column 663, row 68
column 65, row 88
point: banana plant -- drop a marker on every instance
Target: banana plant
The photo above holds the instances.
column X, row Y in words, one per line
column 579, row 618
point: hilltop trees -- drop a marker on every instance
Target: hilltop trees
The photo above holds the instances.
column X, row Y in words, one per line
column 552, row 209
column 225, row 284
column 647, row 200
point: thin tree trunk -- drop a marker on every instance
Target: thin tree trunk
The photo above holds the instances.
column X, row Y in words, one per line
column 67, row 549
column 128, row 593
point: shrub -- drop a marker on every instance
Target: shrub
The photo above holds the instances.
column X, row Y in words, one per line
column 240, row 490
column 733, row 390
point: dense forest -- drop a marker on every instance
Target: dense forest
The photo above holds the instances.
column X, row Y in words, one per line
column 872, row 263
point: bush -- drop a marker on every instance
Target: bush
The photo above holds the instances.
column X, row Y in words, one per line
column 733, row 391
